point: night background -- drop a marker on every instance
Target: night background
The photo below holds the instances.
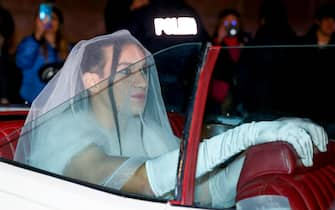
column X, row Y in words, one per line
column 84, row 18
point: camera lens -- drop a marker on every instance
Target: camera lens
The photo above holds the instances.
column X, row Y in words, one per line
column 232, row 32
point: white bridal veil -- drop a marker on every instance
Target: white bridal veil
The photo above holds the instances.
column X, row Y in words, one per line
column 116, row 112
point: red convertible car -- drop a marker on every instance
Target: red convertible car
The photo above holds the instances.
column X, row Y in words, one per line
column 272, row 177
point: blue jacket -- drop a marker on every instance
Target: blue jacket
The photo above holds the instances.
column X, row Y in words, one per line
column 30, row 58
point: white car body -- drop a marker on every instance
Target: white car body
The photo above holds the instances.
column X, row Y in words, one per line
column 24, row 189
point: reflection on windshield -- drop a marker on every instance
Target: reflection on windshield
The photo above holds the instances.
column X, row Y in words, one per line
column 116, row 130
column 268, row 82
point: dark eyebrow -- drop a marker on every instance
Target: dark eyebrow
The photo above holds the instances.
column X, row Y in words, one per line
column 124, row 63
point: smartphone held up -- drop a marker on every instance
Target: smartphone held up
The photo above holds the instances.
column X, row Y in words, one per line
column 45, row 14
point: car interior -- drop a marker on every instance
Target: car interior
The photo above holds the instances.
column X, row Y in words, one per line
column 269, row 169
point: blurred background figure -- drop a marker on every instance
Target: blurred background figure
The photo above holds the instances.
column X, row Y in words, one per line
column 266, row 77
column 322, row 31
column 117, row 13
column 137, row 4
column 229, row 30
column 316, row 69
column 274, row 27
column 164, row 23
column 230, row 35
column 46, row 48
column 158, row 25
column 6, row 41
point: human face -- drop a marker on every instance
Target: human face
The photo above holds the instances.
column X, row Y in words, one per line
column 327, row 26
column 225, row 23
column 54, row 24
column 130, row 85
column 49, row 26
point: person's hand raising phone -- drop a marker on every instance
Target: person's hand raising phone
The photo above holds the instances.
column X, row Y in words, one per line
column 43, row 21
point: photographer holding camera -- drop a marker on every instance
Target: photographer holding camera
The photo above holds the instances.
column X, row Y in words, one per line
column 230, row 35
column 229, row 31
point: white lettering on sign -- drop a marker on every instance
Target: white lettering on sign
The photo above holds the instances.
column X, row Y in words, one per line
column 175, row 26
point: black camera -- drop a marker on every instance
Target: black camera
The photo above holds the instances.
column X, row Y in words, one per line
column 232, row 28
column 48, row 71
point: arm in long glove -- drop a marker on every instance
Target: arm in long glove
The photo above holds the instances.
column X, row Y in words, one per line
column 223, row 184
column 161, row 171
column 157, row 176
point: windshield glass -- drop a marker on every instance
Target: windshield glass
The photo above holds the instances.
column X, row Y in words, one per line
column 268, row 82
column 251, row 89
column 115, row 133
column 116, row 120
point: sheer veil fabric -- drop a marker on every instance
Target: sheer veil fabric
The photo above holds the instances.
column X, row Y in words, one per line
column 107, row 97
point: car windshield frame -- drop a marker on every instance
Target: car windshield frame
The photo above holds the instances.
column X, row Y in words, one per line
column 186, row 196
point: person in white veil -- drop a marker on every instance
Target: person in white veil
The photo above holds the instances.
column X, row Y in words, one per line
column 102, row 120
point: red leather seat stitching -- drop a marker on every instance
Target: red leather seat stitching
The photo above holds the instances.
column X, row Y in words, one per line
column 325, row 186
column 321, row 201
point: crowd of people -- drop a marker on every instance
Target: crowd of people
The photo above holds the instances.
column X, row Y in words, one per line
column 275, row 71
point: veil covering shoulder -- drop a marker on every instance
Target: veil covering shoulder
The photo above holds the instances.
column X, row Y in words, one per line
column 69, row 116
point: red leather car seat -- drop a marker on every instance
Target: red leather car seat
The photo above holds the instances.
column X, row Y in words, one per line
column 275, row 169
column 177, row 122
column 9, row 134
column 11, row 122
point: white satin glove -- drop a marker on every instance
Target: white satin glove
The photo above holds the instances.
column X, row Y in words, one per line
column 161, row 171
column 318, row 134
column 223, row 184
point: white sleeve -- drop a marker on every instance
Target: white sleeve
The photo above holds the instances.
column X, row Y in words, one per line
column 56, row 142
column 223, row 184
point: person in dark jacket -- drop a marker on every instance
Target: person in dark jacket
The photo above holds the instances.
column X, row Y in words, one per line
column 229, row 34
column 322, row 31
column 146, row 19
column 268, row 68
column 317, row 66
column 6, row 38
column 148, row 25
column 117, row 15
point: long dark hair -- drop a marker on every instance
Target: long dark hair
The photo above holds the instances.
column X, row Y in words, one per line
column 89, row 62
column 96, row 62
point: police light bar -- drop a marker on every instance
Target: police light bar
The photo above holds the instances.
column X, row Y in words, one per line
column 175, row 26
